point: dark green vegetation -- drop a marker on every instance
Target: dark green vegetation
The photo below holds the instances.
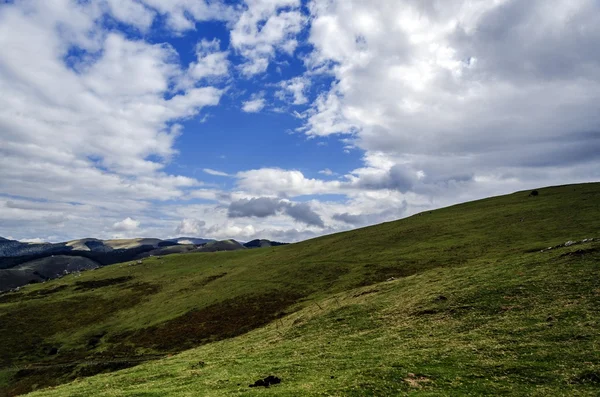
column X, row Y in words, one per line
column 459, row 301
column 262, row 244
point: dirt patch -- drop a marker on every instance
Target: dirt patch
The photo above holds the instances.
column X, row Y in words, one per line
column 218, row 321
column 416, row 381
column 266, row 382
column 93, row 284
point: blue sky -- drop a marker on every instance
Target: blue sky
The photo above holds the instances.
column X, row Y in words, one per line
column 285, row 119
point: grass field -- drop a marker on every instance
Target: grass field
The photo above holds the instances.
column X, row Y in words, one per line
column 458, row 301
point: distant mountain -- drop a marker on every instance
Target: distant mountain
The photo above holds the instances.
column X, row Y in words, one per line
column 262, row 243
column 191, row 240
column 43, row 269
column 22, row 263
column 224, row 245
column 185, row 247
column 9, row 248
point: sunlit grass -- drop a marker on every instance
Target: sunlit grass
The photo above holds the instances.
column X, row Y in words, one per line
column 458, row 301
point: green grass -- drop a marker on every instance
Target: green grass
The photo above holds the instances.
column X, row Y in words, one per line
column 475, row 309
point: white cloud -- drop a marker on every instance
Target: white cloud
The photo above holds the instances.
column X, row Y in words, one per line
column 327, row 172
column 503, row 83
column 210, row 63
column 126, row 225
column 327, row 116
column 294, row 90
column 131, row 12
column 36, row 240
column 253, row 105
column 470, row 99
column 275, row 181
column 93, row 121
column 182, row 15
column 215, row 172
column 227, row 230
column 189, row 228
column 264, row 28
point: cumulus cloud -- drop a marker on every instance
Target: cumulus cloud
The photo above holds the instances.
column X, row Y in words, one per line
column 182, row 15
column 131, row 12
column 263, row 207
column 398, row 177
column 93, row 120
column 327, row 172
column 259, row 207
column 254, row 105
column 283, row 182
column 302, row 212
column 465, row 88
column 126, row 225
column 393, row 211
column 294, row 90
column 189, row 227
column 210, row 62
column 265, row 28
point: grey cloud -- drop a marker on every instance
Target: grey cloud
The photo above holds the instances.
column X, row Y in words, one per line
column 293, row 235
column 511, row 42
column 263, row 207
column 259, row 207
column 56, row 219
column 514, row 91
column 373, row 218
column 303, row 213
column 397, row 177
column 350, row 219
column 189, row 227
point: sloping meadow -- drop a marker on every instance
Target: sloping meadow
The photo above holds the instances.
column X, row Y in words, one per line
column 459, row 300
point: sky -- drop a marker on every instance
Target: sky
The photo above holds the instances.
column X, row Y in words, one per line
column 285, row 119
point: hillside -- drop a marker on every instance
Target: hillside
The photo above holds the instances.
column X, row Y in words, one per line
column 458, row 301
column 262, row 244
column 27, row 263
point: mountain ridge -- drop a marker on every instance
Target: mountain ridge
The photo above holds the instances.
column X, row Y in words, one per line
column 22, row 263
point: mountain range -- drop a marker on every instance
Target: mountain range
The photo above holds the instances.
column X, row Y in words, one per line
column 23, row 263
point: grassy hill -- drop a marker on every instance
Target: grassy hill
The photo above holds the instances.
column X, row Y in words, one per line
column 458, row 301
